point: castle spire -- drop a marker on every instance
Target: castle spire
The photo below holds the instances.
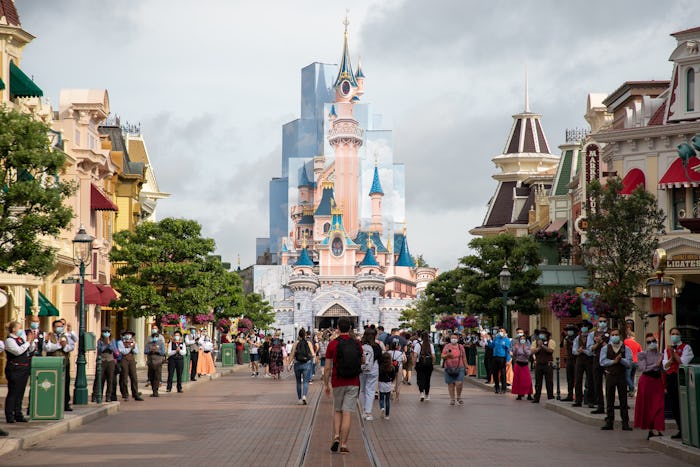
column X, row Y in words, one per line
column 527, row 93
column 376, row 184
column 345, row 68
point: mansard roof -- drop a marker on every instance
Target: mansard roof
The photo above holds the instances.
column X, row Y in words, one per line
column 526, row 135
column 8, row 13
column 324, row 207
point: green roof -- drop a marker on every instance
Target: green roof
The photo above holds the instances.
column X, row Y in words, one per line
column 21, row 85
column 562, row 183
column 560, row 278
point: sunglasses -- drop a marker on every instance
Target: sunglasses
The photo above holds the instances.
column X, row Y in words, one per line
column 651, row 342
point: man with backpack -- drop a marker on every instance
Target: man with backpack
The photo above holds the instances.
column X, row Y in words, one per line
column 344, row 361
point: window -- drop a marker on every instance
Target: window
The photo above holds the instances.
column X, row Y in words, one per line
column 696, row 202
column 374, row 300
column 326, row 227
column 690, row 90
column 679, row 211
column 77, row 137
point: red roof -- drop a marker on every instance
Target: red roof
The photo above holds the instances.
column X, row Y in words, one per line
column 632, row 180
column 676, row 176
column 8, row 10
column 658, row 117
column 99, row 202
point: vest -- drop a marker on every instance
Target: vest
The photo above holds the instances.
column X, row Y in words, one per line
column 173, row 346
column 674, row 366
column 22, row 359
column 57, row 353
column 617, row 369
column 544, row 358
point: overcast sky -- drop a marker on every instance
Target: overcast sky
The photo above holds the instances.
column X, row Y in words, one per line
column 213, row 81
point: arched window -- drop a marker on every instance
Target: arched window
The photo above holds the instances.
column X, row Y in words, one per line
column 326, row 227
column 690, row 90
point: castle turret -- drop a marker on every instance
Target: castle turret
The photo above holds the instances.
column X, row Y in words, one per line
column 376, row 194
column 360, row 78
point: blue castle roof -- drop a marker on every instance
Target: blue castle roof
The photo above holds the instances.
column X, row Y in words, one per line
column 345, row 68
column 304, row 178
column 405, row 258
column 369, row 259
column 376, row 184
column 304, row 259
column 324, row 207
column 363, row 238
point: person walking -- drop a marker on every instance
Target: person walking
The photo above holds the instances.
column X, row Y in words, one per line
column 677, row 354
column 387, row 375
column 614, row 358
column 176, row 361
column 501, row 346
column 240, row 348
column 488, row 354
column 371, row 353
column 409, row 364
column 397, row 359
column 108, row 352
column 254, row 352
column 322, row 347
column 17, row 349
column 649, row 405
column 424, row 356
column 276, row 356
column 128, row 348
column 302, row 358
column 635, row 348
column 543, row 350
column 155, row 352
column 265, row 356
column 344, row 361
column 455, row 364
column 522, row 381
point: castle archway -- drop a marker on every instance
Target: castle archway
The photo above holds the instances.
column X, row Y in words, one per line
column 328, row 319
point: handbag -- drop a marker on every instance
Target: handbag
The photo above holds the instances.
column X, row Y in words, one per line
column 452, row 371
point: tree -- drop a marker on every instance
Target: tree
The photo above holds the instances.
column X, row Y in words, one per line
column 622, row 235
column 479, row 276
column 258, row 311
column 32, row 195
column 420, row 262
column 167, row 267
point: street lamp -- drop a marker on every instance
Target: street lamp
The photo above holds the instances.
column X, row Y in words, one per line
column 504, row 282
column 82, row 254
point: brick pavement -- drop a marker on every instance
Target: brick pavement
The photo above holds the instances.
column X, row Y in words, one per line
column 233, row 420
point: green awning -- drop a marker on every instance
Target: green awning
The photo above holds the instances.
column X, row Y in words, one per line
column 46, row 308
column 558, row 278
column 21, row 85
column 2, row 85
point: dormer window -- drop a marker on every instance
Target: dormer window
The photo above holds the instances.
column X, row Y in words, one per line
column 690, row 90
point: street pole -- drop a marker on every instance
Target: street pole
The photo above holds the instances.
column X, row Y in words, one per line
column 505, row 312
column 556, row 367
column 80, row 395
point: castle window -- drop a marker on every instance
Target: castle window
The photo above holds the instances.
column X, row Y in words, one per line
column 690, row 90
column 298, row 306
column 374, row 300
column 326, row 227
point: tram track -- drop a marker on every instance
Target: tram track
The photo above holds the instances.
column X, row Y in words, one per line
column 306, row 443
column 369, row 445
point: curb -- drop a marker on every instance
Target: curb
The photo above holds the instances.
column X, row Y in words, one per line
column 675, row 449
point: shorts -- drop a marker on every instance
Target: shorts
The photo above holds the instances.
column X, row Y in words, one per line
column 323, row 361
column 254, row 357
column 345, row 398
column 456, row 379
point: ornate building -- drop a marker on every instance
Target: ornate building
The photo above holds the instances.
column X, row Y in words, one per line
column 346, row 255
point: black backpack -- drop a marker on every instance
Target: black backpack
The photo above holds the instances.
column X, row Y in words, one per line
column 302, row 354
column 348, row 358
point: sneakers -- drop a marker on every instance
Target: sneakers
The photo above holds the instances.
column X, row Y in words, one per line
column 300, row 402
column 369, row 417
column 422, row 396
column 386, row 418
column 382, row 411
column 427, row 397
column 303, row 400
column 452, row 402
column 460, row 401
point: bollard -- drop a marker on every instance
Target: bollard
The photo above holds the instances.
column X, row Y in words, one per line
column 556, row 366
column 98, row 379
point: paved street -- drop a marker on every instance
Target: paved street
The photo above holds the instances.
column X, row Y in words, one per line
column 236, row 420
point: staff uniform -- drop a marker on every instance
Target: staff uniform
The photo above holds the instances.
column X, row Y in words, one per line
column 106, row 351
column 544, row 356
column 176, row 361
column 568, row 344
column 584, row 366
column 128, row 366
column 38, row 350
column 155, row 351
column 649, row 405
column 598, row 370
column 522, row 381
column 616, row 379
column 205, row 363
column 17, row 373
column 54, row 348
column 192, row 343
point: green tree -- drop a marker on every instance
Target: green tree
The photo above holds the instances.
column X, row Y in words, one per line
column 480, row 290
column 420, row 262
column 32, row 195
column 622, row 235
column 258, row 311
column 167, row 267
column 418, row 316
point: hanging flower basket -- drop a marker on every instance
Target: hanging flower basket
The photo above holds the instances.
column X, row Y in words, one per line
column 203, row 318
column 448, row 322
column 170, row 319
column 470, row 321
column 566, row 304
column 245, row 325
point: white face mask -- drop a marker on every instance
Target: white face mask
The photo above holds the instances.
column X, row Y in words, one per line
column 454, row 341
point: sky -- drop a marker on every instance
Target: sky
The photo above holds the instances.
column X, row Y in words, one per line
column 212, row 81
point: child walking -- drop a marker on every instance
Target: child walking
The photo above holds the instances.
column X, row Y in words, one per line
column 387, row 375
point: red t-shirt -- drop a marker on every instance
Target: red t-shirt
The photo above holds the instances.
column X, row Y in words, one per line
column 330, row 355
column 635, row 348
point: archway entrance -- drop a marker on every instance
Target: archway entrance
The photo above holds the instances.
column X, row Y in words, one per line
column 329, row 318
column 688, row 314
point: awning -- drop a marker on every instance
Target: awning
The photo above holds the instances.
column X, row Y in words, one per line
column 92, row 293
column 107, row 294
column 556, row 226
column 675, row 176
column 2, row 85
column 99, row 202
column 46, row 308
column 22, row 85
column 634, row 178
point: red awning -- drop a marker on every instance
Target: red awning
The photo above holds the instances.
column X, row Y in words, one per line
column 675, row 176
column 99, row 202
column 556, row 225
column 107, row 294
column 92, row 293
column 632, row 180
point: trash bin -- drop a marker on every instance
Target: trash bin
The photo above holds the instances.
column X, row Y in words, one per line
column 683, row 397
column 694, row 404
column 228, row 355
column 246, row 353
column 47, row 388
column 480, row 365
column 438, row 355
column 186, row 367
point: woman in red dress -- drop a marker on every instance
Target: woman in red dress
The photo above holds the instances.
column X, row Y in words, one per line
column 649, row 407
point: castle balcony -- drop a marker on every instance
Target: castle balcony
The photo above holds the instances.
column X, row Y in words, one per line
column 369, row 281
column 299, row 281
column 345, row 131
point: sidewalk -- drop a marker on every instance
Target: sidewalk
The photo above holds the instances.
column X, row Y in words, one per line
column 663, row 444
column 25, row 435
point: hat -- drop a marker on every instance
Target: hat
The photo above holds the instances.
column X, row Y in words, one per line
column 570, row 327
column 586, row 323
column 106, row 328
column 127, row 331
column 177, row 331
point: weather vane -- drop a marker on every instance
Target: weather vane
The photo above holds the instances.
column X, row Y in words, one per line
column 346, row 22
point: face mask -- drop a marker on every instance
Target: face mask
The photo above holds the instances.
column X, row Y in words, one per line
column 675, row 338
column 454, row 341
column 502, row 334
column 21, row 333
column 520, row 334
column 177, row 338
column 59, row 329
column 570, row 333
column 542, row 337
column 614, row 339
column 127, row 337
column 522, row 341
column 105, row 334
column 584, row 330
column 602, row 324
column 34, row 325
column 652, row 346
column 154, row 339
column 154, row 331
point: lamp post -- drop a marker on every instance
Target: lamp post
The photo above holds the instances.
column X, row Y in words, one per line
column 82, row 254
column 661, row 292
column 504, row 282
